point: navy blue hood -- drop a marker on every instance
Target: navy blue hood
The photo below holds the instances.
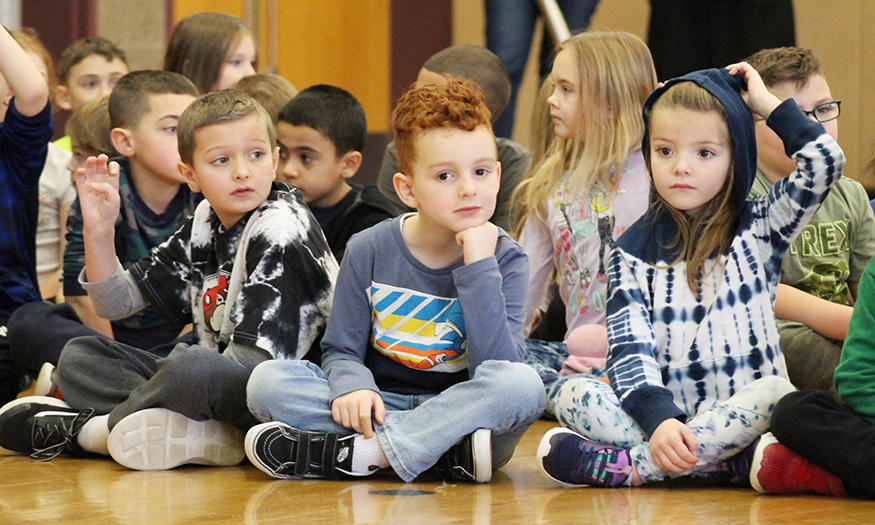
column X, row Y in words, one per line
column 727, row 89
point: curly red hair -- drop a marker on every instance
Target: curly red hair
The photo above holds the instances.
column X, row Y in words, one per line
column 457, row 104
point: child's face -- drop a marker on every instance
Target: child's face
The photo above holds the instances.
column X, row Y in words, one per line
column 90, row 79
column 308, row 161
column 565, row 100
column 80, row 155
column 772, row 160
column 454, row 180
column 233, row 165
column 690, row 155
column 239, row 63
column 153, row 140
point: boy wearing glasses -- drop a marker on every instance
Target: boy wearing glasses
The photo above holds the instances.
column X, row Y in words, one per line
column 823, row 266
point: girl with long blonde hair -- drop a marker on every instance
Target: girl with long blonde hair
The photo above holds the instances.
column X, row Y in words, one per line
column 591, row 186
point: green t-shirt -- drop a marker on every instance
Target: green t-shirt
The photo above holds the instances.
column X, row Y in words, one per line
column 836, row 245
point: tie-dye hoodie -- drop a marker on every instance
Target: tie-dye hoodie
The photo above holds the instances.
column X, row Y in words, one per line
column 673, row 355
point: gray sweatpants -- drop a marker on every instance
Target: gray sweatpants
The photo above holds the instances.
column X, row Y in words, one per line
column 117, row 379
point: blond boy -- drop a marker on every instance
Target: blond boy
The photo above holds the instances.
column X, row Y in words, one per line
column 250, row 269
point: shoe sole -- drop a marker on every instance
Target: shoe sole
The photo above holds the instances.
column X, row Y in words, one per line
column 159, row 439
column 481, row 443
column 766, row 440
column 544, row 448
column 42, row 400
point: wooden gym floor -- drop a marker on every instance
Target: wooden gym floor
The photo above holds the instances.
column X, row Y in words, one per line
column 72, row 491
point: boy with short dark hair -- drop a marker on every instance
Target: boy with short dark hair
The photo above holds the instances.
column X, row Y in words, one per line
column 484, row 68
column 144, row 111
column 250, row 269
column 321, row 134
column 822, row 268
column 88, row 69
column 424, row 345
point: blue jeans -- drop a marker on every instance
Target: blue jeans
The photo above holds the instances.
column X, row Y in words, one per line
column 501, row 396
column 510, row 28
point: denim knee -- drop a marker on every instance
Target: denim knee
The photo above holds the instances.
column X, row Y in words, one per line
column 518, row 382
column 271, row 379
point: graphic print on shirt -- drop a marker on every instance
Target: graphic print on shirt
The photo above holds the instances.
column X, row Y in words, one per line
column 213, row 302
column 579, row 220
column 418, row 330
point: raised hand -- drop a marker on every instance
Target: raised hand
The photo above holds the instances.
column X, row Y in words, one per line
column 759, row 99
column 97, row 184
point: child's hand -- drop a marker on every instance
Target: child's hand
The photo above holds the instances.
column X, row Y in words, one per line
column 478, row 242
column 759, row 99
column 97, row 184
column 354, row 410
column 673, row 446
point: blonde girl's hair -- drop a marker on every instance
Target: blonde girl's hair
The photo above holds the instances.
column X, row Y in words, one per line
column 199, row 45
column 542, row 128
column 616, row 75
column 710, row 232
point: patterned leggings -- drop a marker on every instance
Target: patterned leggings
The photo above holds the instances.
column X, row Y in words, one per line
column 591, row 408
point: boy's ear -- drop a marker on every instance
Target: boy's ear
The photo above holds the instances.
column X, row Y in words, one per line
column 405, row 190
column 498, row 172
column 276, row 158
column 350, row 164
column 187, row 173
column 62, row 97
column 121, row 140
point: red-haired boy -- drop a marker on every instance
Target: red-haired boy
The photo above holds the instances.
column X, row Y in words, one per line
column 424, row 344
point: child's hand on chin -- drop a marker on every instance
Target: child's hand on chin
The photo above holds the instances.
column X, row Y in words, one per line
column 478, row 242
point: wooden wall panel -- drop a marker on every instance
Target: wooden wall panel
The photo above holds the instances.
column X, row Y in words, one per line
column 343, row 42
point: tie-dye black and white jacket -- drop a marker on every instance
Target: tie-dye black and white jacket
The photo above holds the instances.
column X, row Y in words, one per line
column 672, row 355
column 261, row 288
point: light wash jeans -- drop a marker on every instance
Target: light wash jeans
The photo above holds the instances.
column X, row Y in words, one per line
column 591, row 409
column 501, row 396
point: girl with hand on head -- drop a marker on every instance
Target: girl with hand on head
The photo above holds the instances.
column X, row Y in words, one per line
column 695, row 363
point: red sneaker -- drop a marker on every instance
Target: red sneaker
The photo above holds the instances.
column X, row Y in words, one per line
column 778, row 470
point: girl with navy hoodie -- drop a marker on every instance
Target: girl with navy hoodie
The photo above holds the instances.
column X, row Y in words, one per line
column 694, row 362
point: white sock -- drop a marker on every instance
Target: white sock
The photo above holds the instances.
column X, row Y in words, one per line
column 94, row 435
column 367, row 455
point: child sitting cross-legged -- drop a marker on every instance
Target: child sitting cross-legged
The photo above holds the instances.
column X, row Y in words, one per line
column 251, row 270
column 694, row 361
column 421, row 356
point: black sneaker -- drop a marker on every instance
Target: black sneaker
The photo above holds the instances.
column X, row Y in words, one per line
column 288, row 453
column 43, row 427
column 468, row 460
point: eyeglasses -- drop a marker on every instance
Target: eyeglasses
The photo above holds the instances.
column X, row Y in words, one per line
column 826, row 111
